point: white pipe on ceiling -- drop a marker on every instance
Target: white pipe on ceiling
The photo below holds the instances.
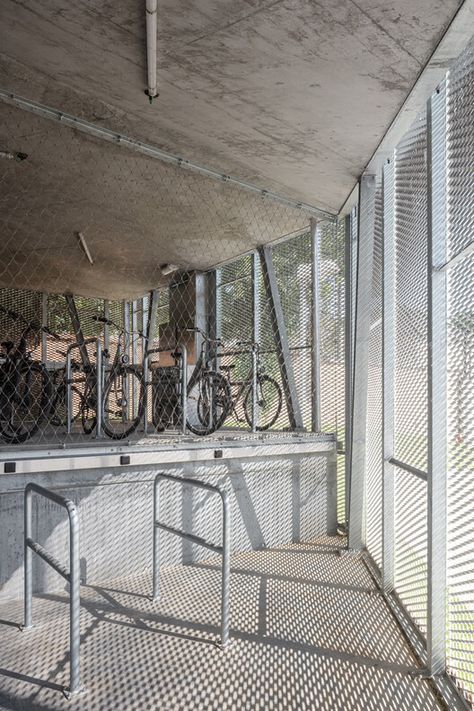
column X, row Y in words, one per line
column 151, row 14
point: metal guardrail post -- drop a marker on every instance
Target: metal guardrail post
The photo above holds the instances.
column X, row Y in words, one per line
column 223, row 550
column 72, row 575
column 254, row 389
column 184, row 386
column 99, row 388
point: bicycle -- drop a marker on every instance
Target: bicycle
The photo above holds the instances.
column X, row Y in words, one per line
column 84, row 400
column 121, row 413
column 208, row 392
column 26, row 390
column 268, row 397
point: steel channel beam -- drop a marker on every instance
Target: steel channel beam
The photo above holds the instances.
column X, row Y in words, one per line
column 388, row 379
column 437, row 382
column 315, row 326
column 365, row 253
column 281, row 339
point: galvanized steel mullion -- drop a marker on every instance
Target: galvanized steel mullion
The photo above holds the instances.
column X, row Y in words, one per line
column 388, row 382
column 361, row 358
column 437, row 385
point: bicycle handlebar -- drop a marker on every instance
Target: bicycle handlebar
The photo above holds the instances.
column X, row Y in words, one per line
column 103, row 319
column 14, row 316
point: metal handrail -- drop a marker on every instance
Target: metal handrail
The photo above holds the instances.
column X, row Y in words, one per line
column 224, row 550
column 72, row 575
column 98, row 374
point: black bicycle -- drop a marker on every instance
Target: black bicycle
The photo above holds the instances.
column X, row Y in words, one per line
column 124, row 389
column 26, row 389
column 83, row 396
column 268, row 396
column 208, row 391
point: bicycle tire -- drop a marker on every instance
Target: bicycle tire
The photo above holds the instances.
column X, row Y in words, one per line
column 206, row 424
column 112, row 411
column 57, row 418
column 88, row 409
column 16, row 433
column 248, row 403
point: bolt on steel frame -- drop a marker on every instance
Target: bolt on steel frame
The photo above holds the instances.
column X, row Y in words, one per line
column 223, row 550
column 72, row 575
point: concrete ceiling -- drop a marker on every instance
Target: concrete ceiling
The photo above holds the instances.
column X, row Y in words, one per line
column 292, row 95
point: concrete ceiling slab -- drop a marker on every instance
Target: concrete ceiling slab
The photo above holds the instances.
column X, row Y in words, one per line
column 135, row 212
column 294, row 95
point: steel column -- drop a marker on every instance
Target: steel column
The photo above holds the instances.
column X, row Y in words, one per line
column 348, row 232
column 437, row 386
column 365, row 252
column 150, row 321
column 388, row 379
column 315, row 327
column 281, row 338
column 255, row 334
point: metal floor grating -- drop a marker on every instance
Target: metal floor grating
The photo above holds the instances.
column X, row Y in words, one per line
column 309, row 628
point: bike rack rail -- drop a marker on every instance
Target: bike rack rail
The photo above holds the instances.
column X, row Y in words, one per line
column 99, row 377
column 72, row 575
column 224, row 550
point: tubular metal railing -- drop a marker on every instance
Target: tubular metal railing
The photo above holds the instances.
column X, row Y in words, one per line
column 72, row 575
column 223, row 550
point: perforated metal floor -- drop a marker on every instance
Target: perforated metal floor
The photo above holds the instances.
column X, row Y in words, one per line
column 309, row 629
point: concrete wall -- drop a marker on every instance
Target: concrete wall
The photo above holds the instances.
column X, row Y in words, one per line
column 275, row 500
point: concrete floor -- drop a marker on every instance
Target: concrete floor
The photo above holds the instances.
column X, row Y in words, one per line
column 310, row 631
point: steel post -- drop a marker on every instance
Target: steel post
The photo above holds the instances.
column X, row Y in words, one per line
column 315, row 327
column 225, row 569
column 388, row 379
column 366, row 214
column 99, row 388
column 437, row 382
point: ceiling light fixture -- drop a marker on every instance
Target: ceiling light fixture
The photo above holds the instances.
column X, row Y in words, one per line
column 9, row 155
column 167, row 269
column 83, row 243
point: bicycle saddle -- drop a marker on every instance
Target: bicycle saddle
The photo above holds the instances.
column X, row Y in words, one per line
column 228, row 367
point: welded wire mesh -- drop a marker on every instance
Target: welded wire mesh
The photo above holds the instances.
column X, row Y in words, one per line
column 460, row 313
column 144, row 260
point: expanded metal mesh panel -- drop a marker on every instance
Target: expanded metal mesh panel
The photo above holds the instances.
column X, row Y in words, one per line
column 411, row 545
column 411, row 297
column 460, row 152
column 332, row 329
column 374, row 397
column 460, row 300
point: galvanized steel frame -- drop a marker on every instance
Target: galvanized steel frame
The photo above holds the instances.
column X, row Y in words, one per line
column 72, row 575
column 223, row 550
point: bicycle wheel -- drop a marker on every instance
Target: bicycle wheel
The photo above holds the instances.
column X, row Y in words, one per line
column 208, row 403
column 59, row 407
column 120, row 417
column 88, row 405
column 269, row 401
column 27, row 394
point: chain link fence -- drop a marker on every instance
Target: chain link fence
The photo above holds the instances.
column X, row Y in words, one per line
column 146, row 298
